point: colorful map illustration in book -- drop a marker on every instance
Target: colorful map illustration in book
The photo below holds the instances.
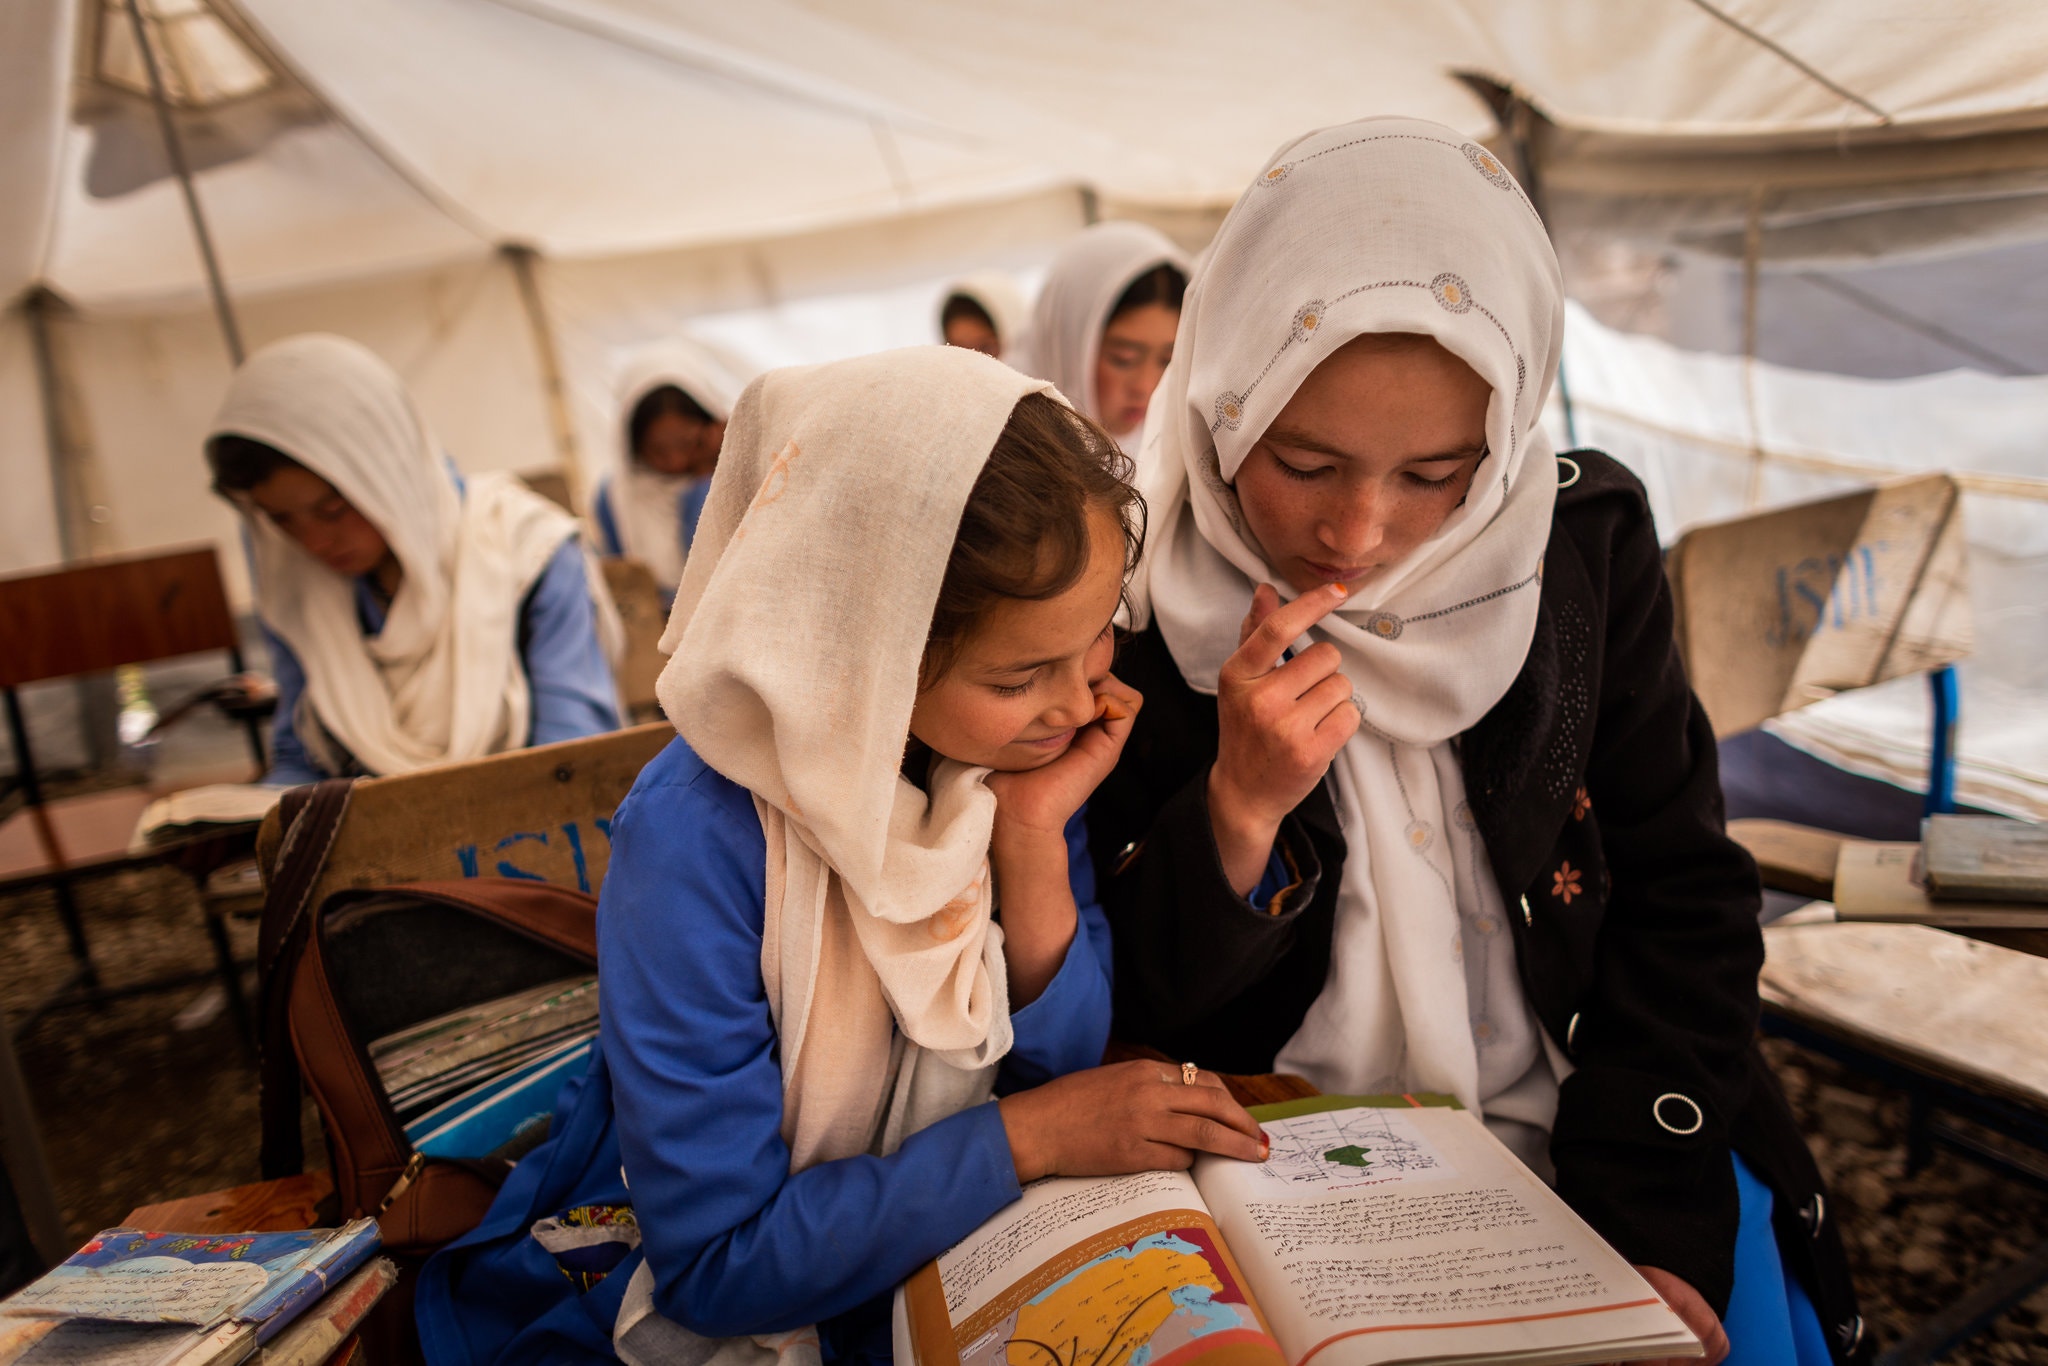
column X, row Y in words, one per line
column 1338, row 1150
column 1154, row 1301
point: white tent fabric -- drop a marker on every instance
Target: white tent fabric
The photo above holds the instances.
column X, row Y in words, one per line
column 1680, row 420
column 795, row 178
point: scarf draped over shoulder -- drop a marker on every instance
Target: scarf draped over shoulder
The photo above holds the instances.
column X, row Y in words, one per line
column 443, row 680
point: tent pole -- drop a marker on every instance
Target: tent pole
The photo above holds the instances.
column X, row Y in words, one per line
column 1520, row 122
column 521, row 259
column 74, row 535
column 1752, row 254
column 174, row 148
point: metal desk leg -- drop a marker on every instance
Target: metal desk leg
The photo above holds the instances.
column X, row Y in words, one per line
column 23, row 1145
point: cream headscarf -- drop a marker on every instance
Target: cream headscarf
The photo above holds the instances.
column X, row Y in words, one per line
column 647, row 504
column 1384, row 225
column 794, row 650
column 1088, row 276
column 998, row 296
column 443, row 680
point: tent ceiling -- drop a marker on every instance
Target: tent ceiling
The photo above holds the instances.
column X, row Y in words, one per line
column 432, row 130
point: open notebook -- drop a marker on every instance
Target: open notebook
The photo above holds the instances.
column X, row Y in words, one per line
column 1380, row 1229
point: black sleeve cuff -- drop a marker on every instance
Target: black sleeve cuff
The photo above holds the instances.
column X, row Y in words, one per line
column 1650, row 1168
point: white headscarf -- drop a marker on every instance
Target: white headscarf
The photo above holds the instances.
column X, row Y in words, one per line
column 1384, row 225
column 647, row 504
column 443, row 681
column 1088, row 276
column 998, row 296
column 794, row 647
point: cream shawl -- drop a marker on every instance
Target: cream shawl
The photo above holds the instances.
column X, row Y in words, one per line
column 999, row 297
column 1088, row 276
column 647, row 504
column 794, row 649
column 443, row 680
column 1384, row 225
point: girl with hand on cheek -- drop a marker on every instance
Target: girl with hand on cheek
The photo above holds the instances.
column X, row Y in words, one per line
column 1421, row 800
column 855, row 982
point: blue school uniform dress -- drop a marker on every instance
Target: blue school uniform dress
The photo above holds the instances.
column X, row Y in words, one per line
column 566, row 672
column 689, row 508
column 684, row 1099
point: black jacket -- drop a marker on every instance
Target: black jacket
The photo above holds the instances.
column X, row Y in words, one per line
column 1634, row 917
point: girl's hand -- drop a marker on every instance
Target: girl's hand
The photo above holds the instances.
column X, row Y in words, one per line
column 1690, row 1306
column 1042, row 800
column 1127, row 1117
column 1281, row 725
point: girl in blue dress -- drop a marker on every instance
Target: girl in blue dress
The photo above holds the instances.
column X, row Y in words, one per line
column 824, row 1057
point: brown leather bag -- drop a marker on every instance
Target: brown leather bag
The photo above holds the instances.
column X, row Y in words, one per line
column 363, row 963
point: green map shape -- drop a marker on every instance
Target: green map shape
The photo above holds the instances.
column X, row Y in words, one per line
column 1351, row 1155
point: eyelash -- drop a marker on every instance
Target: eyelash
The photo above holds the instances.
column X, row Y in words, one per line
column 1018, row 689
column 1310, row 476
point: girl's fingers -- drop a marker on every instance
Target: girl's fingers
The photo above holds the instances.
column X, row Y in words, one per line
column 1305, row 670
column 1325, row 697
column 1198, row 1133
column 1264, row 599
column 1340, row 724
column 1213, row 1102
column 1265, row 642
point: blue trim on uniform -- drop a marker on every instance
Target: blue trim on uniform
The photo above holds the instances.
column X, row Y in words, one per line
column 1770, row 1321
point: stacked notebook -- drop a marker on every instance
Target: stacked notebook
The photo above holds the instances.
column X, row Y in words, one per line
column 476, row 1081
column 1968, row 872
column 135, row 1297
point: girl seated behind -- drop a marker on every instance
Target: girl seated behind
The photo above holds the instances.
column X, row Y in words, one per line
column 1103, row 327
column 413, row 617
column 675, row 400
column 1423, row 801
column 890, row 673
column 984, row 312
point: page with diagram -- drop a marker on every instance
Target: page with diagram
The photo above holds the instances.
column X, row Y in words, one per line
column 1370, row 1234
column 1375, row 1234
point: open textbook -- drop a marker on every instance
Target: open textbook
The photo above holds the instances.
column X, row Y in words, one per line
column 1370, row 1234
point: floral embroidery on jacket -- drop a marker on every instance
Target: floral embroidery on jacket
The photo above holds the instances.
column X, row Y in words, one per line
column 1581, row 804
column 1564, row 883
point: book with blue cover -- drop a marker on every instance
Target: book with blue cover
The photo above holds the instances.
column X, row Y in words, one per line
column 143, row 1296
column 488, row 1116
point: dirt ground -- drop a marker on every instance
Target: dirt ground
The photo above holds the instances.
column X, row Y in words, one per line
column 138, row 1105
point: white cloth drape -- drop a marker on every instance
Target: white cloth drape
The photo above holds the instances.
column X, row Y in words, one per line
column 794, row 650
column 1087, row 278
column 1384, row 225
column 999, row 297
column 443, row 680
column 647, row 504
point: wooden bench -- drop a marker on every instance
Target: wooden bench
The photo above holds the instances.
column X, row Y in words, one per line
column 1960, row 1026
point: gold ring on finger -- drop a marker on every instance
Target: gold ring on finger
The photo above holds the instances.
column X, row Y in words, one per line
column 1188, row 1073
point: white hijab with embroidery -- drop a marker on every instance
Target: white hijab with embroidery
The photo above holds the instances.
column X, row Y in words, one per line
column 647, row 504
column 1089, row 275
column 443, row 681
column 1384, row 225
column 794, row 648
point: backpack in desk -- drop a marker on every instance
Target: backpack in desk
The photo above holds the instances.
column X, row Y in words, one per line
column 368, row 961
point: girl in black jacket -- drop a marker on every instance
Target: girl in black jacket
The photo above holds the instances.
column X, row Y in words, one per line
column 1420, row 798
